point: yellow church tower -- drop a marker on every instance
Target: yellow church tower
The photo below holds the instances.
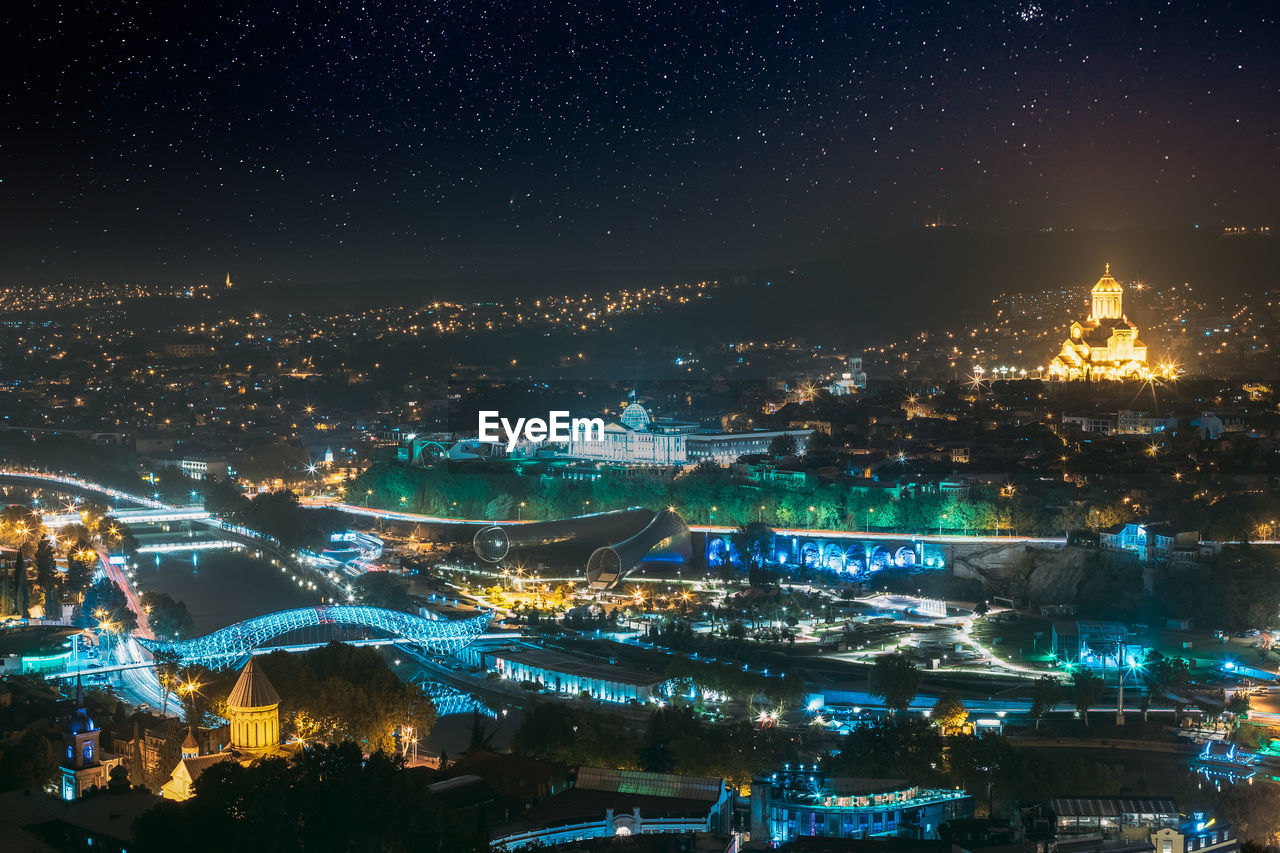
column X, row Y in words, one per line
column 1108, row 297
column 253, row 708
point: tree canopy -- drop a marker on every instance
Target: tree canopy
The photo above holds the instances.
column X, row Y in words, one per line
column 167, row 618
column 326, row 798
column 896, row 679
column 382, row 589
column 949, row 713
column 341, row 692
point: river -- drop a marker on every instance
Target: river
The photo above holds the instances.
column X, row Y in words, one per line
column 221, row 588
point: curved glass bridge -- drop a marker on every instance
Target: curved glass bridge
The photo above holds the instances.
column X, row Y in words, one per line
column 313, row 626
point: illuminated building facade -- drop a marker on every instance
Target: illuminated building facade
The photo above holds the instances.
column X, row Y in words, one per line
column 852, row 380
column 253, row 710
column 571, row 675
column 636, row 439
column 639, row 439
column 1093, row 645
column 608, row 803
column 1104, row 346
column 1137, row 823
column 84, row 765
column 798, row 803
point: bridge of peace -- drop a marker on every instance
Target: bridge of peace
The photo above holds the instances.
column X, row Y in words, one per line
column 307, row 627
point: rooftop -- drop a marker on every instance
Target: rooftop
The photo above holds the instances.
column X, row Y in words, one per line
column 253, row 689
column 554, row 661
column 1112, row 806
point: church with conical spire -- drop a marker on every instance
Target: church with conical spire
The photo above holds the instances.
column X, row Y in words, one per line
column 84, row 765
column 1106, row 344
column 253, row 711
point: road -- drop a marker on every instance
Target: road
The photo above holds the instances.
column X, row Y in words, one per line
column 59, row 480
column 879, row 536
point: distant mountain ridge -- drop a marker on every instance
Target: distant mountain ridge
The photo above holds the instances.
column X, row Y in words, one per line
column 932, row 278
column 924, row 279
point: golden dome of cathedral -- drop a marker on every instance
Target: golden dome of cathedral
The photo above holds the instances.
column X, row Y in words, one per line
column 1108, row 283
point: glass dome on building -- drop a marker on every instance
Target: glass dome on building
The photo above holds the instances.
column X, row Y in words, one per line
column 636, row 417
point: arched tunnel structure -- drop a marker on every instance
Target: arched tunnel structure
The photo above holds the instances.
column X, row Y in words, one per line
column 608, row 565
column 570, row 538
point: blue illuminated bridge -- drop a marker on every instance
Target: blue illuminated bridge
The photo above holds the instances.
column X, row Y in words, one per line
column 312, row 626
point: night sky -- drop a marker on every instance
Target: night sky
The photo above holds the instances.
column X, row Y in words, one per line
column 175, row 140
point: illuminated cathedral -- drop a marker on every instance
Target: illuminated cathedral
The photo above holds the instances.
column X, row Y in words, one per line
column 1104, row 346
column 253, row 710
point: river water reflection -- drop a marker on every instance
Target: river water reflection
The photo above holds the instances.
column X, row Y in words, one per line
column 222, row 587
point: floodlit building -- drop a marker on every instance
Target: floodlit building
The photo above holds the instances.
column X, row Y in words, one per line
column 727, row 447
column 1140, row 825
column 84, row 765
column 574, row 675
column 1093, row 644
column 608, row 803
column 1152, row 541
column 799, row 802
column 1105, row 345
column 253, row 710
column 205, row 467
column 852, row 380
column 637, row 438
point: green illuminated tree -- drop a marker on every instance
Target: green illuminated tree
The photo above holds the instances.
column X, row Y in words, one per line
column 82, row 560
column 783, row 445
column 105, row 597
column 753, row 541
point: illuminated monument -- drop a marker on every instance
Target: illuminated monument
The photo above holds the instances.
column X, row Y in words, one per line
column 253, row 710
column 1106, row 345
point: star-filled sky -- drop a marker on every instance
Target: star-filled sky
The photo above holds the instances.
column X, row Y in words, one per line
column 179, row 140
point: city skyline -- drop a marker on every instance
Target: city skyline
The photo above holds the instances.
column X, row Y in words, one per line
column 594, row 427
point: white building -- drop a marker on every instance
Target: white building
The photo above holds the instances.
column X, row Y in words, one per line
column 573, row 676
column 852, row 380
column 204, row 467
column 726, row 447
column 635, row 439
column 638, row 439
